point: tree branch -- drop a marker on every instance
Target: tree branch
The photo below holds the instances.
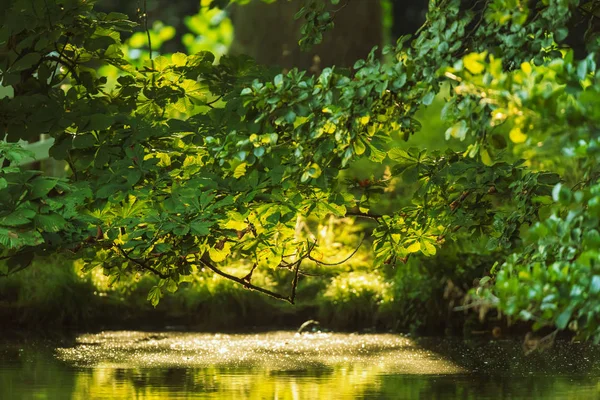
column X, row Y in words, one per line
column 142, row 265
column 245, row 281
column 339, row 262
column 207, row 262
column 210, row 103
column 375, row 217
column 295, row 281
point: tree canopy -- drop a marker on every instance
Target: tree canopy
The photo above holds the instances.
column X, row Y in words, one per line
column 184, row 162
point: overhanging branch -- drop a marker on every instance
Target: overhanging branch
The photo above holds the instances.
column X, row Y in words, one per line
column 249, row 285
column 246, row 281
column 142, row 264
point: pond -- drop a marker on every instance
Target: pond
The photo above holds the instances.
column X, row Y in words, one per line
column 286, row 365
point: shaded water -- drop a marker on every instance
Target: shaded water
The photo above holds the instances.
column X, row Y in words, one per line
column 284, row 365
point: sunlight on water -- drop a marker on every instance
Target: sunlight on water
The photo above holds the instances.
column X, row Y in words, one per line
column 277, row 351
column 285, row 365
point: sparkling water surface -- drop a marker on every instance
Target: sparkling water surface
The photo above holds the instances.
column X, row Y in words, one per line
column 287, row 365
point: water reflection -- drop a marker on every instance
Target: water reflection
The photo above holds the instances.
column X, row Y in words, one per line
column 274, row 351
column 135, row 365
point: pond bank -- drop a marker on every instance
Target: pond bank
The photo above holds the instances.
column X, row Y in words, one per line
column 50, row 296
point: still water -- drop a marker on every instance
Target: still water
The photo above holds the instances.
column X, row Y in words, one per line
column 285, row 365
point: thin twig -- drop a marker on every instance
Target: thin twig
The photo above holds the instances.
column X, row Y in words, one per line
column 48, row 13
column 206, row 262
column 249, row 285
column 248, row 277
column 210, row 103
column 375, row 217
column 313, row 275
column 148, row 33
column 295, row 282
column 339, row 262
column 63, row 61
column 60, row 55
column 142, row 265
column 342, row 7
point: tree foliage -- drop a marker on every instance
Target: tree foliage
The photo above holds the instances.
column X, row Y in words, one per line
column 187, row 163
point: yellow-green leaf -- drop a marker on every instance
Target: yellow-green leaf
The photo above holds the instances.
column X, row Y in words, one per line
column 164, row 158
column 359, row 147
column 485, row 157
column 179, row 59
column 240, row 170
column 235, row 220
column 413, row 248
column 161, row 63
column 474, row 63
column 192, row 160
column 517, row 136
column 268, row 257
column 218, row 255
column 428, row 248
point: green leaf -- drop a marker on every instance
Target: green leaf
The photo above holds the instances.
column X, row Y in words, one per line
column 486, row 158
column 259, row 151
column 410, row 175
column 106, row 191
column 375, row 154
column 278, row 81
column 181, row 230
column 200, row 227
column 98, row 122
column 457, row 131
column 172, row 286
column 595, row 284
column 484, row 280
column 50, row 223
column 26, row 62
column 337, row 210
column 548, row 178
column 561, row 34
column 582, row 69
column 84, row 141
column 427, row 248
column 41, row 186
column 154, row 296
column 591, row 239
column 563, row 319
column 359, row 147
column 428, row 98
column 400, row 155
column 561, row 194
column 133, row 176
column 19, row 217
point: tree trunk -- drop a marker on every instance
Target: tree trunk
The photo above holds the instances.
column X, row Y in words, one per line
column 269, row 34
